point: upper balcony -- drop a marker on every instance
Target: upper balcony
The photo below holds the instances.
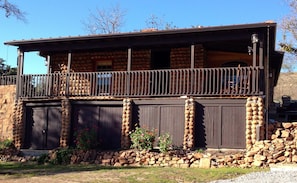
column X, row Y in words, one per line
column 204, row 82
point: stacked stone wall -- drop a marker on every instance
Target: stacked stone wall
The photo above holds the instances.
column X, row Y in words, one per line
column 126, row 123
column 18, row 124
column 7, row 104
column 254, row 120
column 66, row 123
column 189, row 135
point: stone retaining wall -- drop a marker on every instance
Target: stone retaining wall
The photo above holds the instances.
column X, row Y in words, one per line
column 7, row 101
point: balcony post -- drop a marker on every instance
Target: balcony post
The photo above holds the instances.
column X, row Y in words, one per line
column 267, row 84
column 129, row 61
column 48, row 62
column 68, row 74
column 192, row 56
column 20, row 70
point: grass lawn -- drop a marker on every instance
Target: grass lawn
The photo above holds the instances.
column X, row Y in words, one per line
column 31, row 172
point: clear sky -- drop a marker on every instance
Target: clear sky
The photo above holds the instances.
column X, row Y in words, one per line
column 55, row 18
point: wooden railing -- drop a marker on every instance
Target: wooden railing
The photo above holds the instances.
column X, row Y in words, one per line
column 236, row 81
column 8, row 80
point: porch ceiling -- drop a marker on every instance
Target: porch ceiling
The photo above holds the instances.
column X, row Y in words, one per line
column 234, row 38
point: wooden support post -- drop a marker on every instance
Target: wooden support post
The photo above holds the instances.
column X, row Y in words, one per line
column 261, row 55
column 48, row 60
column 68, row 74
column 129, row 61
column 20, row 70
column 192, row 56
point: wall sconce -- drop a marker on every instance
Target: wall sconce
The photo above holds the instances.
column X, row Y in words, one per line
column 255, row 38
column 250, row 50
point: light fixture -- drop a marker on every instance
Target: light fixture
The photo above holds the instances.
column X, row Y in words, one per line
column 254, row 38
column 250, row 50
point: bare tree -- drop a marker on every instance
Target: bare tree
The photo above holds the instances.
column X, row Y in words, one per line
column 106, row 21
column 289, row 41
column 12, row 10
column 155, row 22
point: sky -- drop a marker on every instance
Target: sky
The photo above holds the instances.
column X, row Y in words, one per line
column 60, row 18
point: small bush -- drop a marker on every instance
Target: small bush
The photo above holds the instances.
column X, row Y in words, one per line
column 86, row 139
column 165, row 142
column 42, row 159
column 61, row 156
column 5, row 144
column 142, row 139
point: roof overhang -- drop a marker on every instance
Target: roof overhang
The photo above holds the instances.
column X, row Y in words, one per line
column 234, row 38
column 231, row 38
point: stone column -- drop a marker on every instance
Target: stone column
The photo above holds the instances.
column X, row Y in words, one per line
column 254, row 120
column 18, row 125
column 66, row 123
column 126, row 123
column 189, row 134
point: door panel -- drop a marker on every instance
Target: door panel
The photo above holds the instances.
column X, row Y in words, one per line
column 43, row 127
column 53, row 127
column 163, row 119
column 220, row 123
column 173, row 122
column 110, row 127
column 39, row 127
column 106, row 120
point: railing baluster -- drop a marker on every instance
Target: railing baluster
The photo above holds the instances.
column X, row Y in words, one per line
column 177, row 82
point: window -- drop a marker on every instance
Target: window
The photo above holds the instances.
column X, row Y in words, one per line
column 104, row 77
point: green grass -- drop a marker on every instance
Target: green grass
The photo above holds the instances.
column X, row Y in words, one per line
column 95, row 173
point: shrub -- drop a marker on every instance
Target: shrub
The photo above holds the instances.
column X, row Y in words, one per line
column 165, row 142
column 142, row 139
column 42, row 159
column 5, row 144
column 86, row 139
column 61, row 156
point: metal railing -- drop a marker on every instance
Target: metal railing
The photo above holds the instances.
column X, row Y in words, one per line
column 8, row 80
column 235, row 81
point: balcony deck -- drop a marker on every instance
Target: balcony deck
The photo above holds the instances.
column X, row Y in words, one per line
column 231, row 81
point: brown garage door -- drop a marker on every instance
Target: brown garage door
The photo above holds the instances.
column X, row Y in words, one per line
column 164, row 118
column 43, row 127
column 220, row 123
column 106, row 119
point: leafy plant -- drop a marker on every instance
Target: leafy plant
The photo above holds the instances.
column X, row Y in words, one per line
column 42, row 159
column 142, row 139
column 5, row 144
column 165, row 142
column 61, row 156
column 86, row 139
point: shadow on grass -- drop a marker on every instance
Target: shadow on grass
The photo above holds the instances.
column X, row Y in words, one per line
column 19, row 170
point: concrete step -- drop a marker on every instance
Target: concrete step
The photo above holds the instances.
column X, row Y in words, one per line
column 31, row 152
column 283, row 167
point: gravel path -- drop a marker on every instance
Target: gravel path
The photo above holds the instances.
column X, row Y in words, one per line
column 264, row 177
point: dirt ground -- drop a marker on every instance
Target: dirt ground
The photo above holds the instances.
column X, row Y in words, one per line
column 73, row 177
